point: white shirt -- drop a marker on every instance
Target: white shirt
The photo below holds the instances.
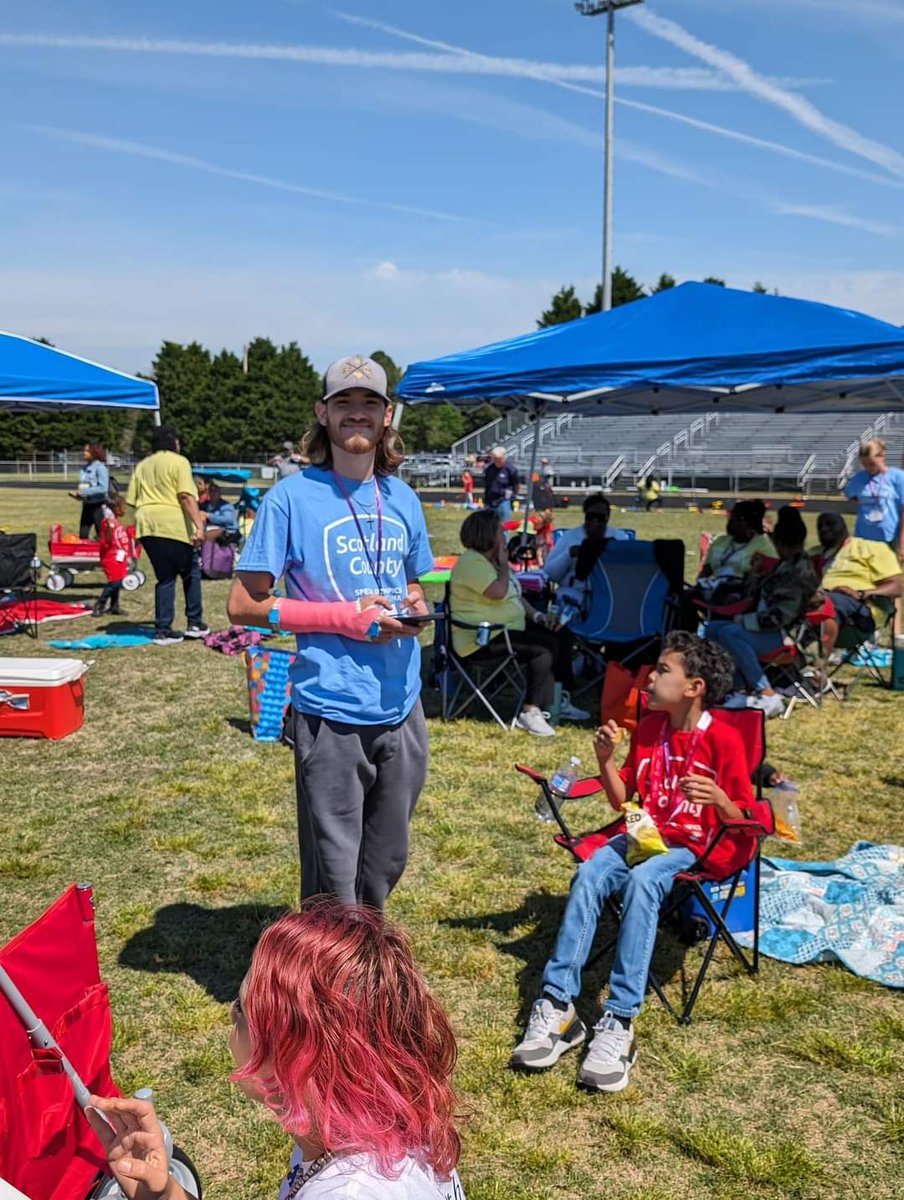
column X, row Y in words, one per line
column 356, row 1177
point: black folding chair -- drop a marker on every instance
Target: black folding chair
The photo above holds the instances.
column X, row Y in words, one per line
column 19, row 568
column 701, row 898
column 463, row 682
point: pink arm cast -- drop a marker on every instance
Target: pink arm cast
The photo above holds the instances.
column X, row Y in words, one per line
column 339, row 616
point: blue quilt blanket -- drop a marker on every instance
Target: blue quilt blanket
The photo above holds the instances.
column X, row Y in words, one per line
column 851, row 909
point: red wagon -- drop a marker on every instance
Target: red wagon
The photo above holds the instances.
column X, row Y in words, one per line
column 70, row 555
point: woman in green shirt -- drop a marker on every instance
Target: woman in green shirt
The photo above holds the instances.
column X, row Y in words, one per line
column 170, row 527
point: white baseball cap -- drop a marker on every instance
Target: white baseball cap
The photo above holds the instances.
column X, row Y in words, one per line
column 355, row 371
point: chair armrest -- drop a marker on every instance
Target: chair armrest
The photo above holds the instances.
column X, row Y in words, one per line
column 470, row 625
column 586, row 787
column 536, row 776
column 746, row 823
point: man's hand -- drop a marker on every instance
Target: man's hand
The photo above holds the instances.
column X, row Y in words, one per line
column 133, row 1143
column 701, row 789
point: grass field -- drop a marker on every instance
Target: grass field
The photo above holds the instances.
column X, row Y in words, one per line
column 788, row 1086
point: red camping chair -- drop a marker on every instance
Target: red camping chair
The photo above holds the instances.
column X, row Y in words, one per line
column 700, row 898
column 49, row 1065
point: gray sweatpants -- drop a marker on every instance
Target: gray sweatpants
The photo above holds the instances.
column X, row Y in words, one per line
column 356, row 787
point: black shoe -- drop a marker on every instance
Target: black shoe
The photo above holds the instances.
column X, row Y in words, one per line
column 167, row 637
column 116, row 611
column 196, row 630
column 98, row 609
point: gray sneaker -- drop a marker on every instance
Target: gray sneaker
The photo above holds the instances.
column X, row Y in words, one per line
column 550, row 1032
column 610, row 1057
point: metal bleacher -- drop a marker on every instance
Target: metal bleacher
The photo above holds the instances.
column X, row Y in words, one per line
column 740, row 451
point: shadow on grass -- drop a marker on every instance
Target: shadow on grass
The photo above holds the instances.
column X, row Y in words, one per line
column 212, row 945
column 543, row 913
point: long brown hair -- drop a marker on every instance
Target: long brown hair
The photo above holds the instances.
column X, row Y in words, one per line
column 317, row 447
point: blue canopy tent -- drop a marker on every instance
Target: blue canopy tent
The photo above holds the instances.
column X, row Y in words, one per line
column 689, row 349
column 34, row 377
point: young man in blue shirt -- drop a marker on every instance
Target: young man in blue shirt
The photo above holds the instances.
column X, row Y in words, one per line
column 349, row 539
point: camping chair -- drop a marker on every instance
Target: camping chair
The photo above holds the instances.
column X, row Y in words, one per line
column 19, row 567
column 462, row 682
column 632, row 599
column 701, row 899
column 868, row 652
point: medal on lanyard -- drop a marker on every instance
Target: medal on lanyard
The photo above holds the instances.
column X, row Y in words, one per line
column 374, row 569
column 662, row 786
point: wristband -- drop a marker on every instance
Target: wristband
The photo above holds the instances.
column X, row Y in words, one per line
column 273, row 616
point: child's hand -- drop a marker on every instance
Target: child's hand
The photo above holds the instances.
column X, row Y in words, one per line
column 607, row 736
column 701, row 789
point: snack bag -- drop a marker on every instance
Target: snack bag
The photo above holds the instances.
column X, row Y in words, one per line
column 644, row 839
column 787, row 817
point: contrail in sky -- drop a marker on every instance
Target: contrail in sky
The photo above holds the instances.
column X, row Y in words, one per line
column 142, row 150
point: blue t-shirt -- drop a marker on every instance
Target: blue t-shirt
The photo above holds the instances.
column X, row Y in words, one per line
column 305, row 531
column 880, row 499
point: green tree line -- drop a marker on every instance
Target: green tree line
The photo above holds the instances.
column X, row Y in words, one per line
column 227, row 407
column 566, row 304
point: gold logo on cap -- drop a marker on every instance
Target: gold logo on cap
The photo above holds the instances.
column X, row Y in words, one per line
column 357, row 368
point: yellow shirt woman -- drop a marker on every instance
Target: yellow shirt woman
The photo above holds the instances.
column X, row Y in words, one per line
column 471, row 576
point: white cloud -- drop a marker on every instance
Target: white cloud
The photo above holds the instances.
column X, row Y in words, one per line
column 386, row 270
column 456, row 63
column 142, row 150
column 749, row 80
column 680, row 78
column 836, row 216
column 415, row 314
column 541, row 73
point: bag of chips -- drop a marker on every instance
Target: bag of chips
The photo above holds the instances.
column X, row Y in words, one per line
column 787, row 817
column 644, row 839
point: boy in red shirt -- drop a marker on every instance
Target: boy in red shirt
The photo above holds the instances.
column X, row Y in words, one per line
column 689, row 771
column 114, row 557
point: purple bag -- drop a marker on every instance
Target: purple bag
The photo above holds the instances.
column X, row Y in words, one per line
column 217, row 560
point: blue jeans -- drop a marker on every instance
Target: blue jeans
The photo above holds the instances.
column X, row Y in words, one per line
column 503, row 509
column 745, row 646
column 643, row 889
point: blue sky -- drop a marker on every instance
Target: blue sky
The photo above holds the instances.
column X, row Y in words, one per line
column 422, row 176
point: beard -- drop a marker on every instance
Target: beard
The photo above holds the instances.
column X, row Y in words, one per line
column 356, row 443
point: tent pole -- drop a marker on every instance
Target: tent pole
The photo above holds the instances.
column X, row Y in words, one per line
column 530, row 478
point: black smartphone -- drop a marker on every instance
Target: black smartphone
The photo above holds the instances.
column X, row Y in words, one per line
column 415, row 618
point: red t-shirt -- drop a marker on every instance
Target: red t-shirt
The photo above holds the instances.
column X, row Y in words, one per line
column 114, row 550
column 717, row 751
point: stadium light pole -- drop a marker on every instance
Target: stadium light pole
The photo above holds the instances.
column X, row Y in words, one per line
column 595, row 8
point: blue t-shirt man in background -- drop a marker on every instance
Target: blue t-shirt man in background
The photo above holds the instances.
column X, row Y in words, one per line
column 879, row 492
column 347, row 529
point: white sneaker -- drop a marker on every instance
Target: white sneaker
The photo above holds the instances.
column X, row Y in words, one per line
column 611, row 1056
column 571, row 712
column 772, row 706
column 550, row 1033
column 536, row 723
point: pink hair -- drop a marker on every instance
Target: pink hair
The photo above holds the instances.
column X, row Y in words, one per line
column 347, row 1042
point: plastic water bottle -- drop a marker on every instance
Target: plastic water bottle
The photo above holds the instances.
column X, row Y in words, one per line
column 560, row 785
column 483, row 633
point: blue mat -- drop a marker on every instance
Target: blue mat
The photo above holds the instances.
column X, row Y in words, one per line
column 851, row 909
column 107, row 641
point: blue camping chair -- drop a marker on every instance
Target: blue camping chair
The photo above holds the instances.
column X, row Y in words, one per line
column 632, row 599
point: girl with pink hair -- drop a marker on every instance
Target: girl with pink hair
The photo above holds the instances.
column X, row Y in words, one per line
column 335, row 1031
